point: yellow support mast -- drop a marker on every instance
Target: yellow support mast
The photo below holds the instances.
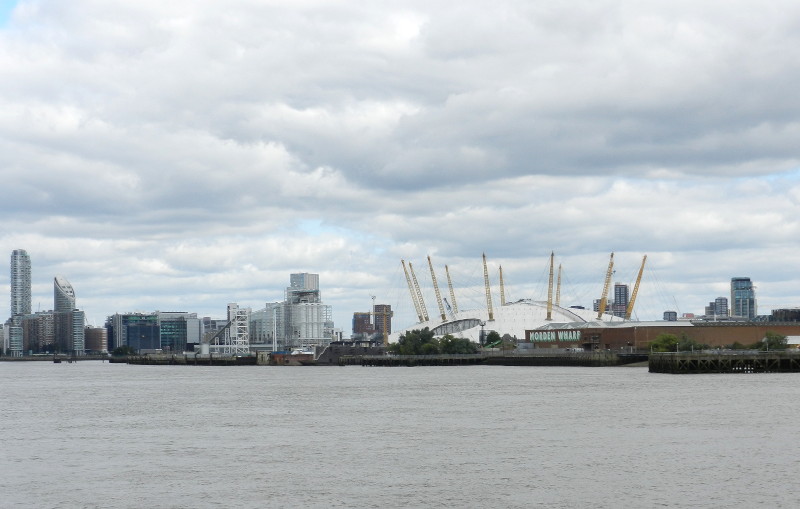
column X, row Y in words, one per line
column 488, row 291
column 452, row 293
column 558, row 288
column 604, row 298
column 436, row 291
column 411, row 291
column 629, row 309
column 419, row 294
column 502, row 288
column 550, row 290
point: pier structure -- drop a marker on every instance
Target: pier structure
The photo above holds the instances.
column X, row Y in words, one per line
column 587, row 359
column 191, row 360
column 725, row 361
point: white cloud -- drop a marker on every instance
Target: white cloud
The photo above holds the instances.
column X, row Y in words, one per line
column 187, row 154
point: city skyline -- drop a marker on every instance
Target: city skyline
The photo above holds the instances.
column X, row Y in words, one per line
column 174, row 156
column 305, row 287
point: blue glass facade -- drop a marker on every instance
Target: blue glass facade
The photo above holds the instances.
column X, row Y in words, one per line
column 743, row 298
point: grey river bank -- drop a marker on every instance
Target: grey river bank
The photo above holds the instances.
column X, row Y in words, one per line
column 94, row 434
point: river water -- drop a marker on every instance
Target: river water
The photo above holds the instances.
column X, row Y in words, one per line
column 93, row 434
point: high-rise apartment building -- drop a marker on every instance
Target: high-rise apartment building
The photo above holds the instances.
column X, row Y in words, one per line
column 70, row 331
column 383, row 318
column 20, row 282
column 368, row 325
column 717, row 308
column 69, row 322
column 596, row 305
column 620, row 306
column 362, row 323
column 38, row 332
column 721, row 306
column 743, row 298
column 63, row 295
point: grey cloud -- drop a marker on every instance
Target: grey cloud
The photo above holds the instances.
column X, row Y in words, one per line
column 188, row 141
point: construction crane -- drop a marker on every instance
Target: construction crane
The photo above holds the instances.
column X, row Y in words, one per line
column 550, row 290
column 604, row 298
column 436, row 290
column 452, row 293
column 629, row 309
column 411, row 291
column 488, row 290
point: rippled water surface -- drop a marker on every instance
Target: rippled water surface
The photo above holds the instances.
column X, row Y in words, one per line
column 94, row 434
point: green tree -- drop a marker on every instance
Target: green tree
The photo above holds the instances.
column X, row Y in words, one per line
column 452, row 345
column 665, row 343
column 492, row 337
column 686, row 344
column 122, row 351
column 416, row 342
column 771, row 341
column 672, row 343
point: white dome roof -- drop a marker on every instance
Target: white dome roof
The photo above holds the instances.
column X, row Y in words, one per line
column 514, row 319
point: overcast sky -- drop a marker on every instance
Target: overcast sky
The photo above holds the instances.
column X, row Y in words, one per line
column 181, row 155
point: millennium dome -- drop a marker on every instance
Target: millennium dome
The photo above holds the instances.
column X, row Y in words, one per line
column 512, row 318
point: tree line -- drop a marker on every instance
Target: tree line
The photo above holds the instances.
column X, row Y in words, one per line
column 422, row 342
column 673, row 343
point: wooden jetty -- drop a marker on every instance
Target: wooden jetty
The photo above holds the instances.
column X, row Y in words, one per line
column 188, row 360
column 411, row 360
column 725, row 361
column 528, row 359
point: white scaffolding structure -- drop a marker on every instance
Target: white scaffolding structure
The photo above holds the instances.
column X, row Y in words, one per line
column 236, row 337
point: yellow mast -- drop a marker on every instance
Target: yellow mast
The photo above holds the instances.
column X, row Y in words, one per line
column 558, row 287
column 411, row 290
column 452, row 293
column 488, row 291
column 502, row 288
column 629, row 310
column 419, row 294
column 550, row 290
column 436, row 290
column 604, row 298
